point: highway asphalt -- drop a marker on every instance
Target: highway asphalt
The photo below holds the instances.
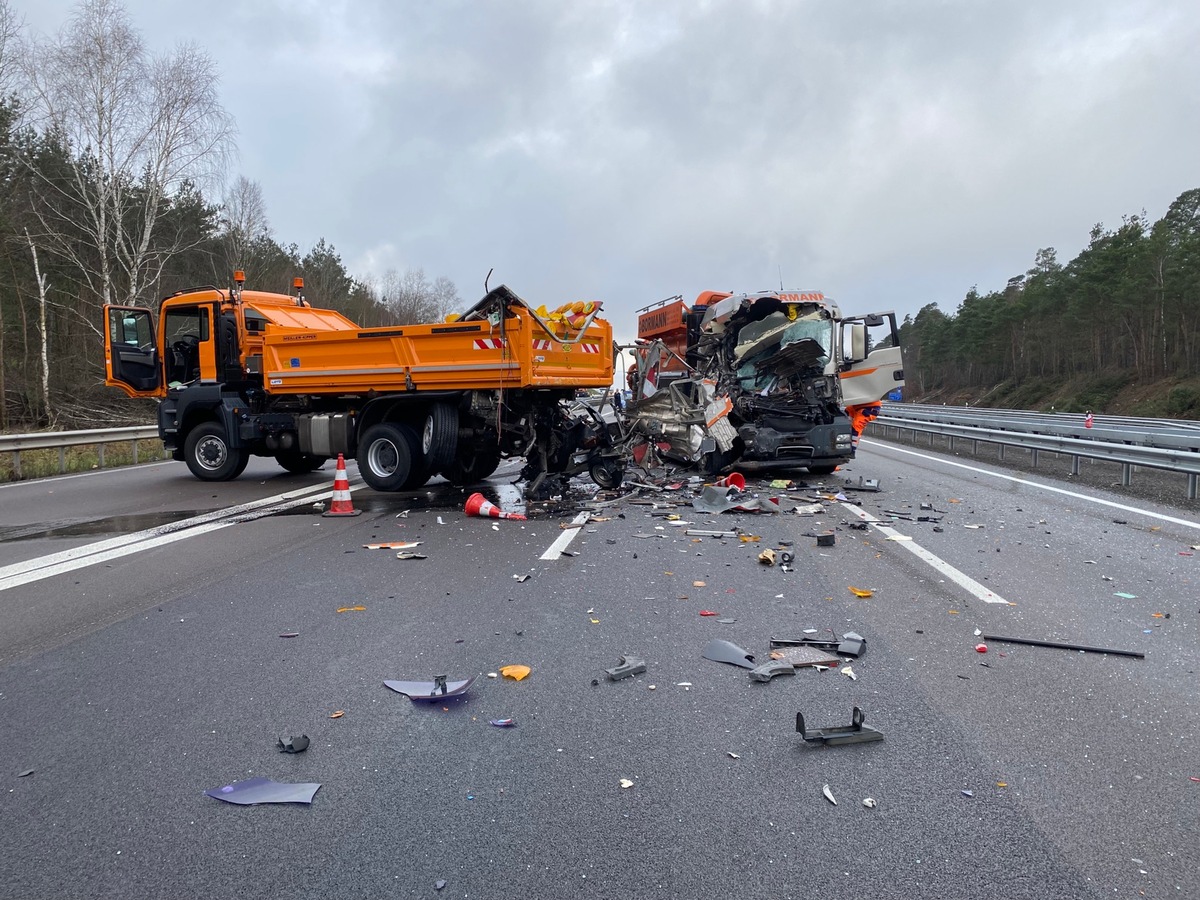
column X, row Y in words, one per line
column 131, row 685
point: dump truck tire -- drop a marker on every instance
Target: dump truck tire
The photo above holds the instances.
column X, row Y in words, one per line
column 385, row 456
column 439, row 438
column 472, row 464
column 608, row 474
column 209, row 456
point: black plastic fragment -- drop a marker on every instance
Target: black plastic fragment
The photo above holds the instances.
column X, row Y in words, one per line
column 723, row 651
column 293, row 744
column 630, row 665
column 854, row 733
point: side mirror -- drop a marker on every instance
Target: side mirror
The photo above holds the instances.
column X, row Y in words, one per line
column 857, row 350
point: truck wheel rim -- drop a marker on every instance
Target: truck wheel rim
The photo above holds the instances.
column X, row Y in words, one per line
column 383, row 458
column 427, row 434
column 211, row 453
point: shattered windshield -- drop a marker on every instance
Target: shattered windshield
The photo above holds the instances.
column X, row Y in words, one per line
column 774, row 347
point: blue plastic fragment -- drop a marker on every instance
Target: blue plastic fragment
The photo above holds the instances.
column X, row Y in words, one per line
column 504, row 723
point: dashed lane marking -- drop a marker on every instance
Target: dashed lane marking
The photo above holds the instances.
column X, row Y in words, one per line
column 555, row 550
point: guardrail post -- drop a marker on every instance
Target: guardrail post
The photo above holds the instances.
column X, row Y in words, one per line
column 135, row 448
column 100, row 454
column 16, row 464
column 62, row 460
column 1126, row 474
column 974, row 446
column 1000, row 453
column 1074, row 465
column 1034, row 457
column 1191, row 492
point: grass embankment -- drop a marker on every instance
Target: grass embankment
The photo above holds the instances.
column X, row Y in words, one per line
column 1117, row 394
column 40, row 463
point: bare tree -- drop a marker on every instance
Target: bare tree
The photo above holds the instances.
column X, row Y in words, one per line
column 138, row 127
column 410, row 297
column 244, row 223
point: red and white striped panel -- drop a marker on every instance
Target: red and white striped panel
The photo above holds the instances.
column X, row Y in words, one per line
column 541, row 344
column 589, row 348
column 489, row 344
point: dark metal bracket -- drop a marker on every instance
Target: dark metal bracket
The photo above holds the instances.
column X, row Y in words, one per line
column 854, row 733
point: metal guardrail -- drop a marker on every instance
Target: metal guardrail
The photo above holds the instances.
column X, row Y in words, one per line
column 49, row 440
column 1165, row 444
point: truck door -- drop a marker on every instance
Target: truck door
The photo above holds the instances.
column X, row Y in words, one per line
column 872, row 364
column 132, row 360
column 189, row 348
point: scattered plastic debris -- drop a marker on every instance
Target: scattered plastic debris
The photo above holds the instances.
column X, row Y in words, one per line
column 263, row 790
column 521, row 578
column 722, row 651
column 826, row 539
column 860, row 592
column 393, row 545
column 293, row 744
column 439, row 884
column 981, row 648
column 337, row 714
column 854, row 733
column 828, row 794
column 769, row 670
column 967, row 793
column 767, row 557
column 708, row 612
column 698, row 584
column 503, row 723
column 516, row 672
column 626, row 783
column 849, row 673
column 408, row 554
column 733, row 755
column 1125, row 596
column 26, row 773
column 345, row 609
column 869, row 802
column 290, row 634
column 438, row 689
column 628, row 667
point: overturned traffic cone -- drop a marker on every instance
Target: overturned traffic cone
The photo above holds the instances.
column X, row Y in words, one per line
column 341, row 505
column 477, row 506
column 733, row 480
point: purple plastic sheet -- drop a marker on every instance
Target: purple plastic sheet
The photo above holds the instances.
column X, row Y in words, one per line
column 264, row 790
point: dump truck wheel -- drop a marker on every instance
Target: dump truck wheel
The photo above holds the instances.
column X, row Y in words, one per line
column 300, row 463
column 439, row 438
column 209, row 456
column 385, row 456
column 473, row 464
column 608, row 473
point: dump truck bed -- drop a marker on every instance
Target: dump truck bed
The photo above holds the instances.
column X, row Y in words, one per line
column 510, row 349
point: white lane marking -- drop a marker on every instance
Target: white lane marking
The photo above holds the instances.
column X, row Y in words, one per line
column 43, row 567
column 1045, row 487
column 961, row 579
column 555, row 550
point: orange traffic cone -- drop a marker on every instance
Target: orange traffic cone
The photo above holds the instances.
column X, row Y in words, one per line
column 733, row 480
column 341, row 504
column 478, row 506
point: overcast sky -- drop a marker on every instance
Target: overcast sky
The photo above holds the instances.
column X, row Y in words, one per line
column 891, row 154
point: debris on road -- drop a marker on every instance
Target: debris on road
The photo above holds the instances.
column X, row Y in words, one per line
column 799, row 654
column 849, row 673
column 767, row 557
column 869, row 802
column 981, row 648
column 769, row 670
column 854, row 733
column 722, row 651
column 408, row 554
column 1083, row 648
column 826, row 539
column 626, row 783
column 828, row 794
column 503, row 723
column 343, row 609
column 290, row 634
column 393, row 545
column 860, row 592
column 263, row 790
column 708, row 612
column 521, row 578
column 293, row 744
column 628, row 667
column 478, row 505
column 516, row 671
column 26, row 773
column 438, row 689
column 337, row 714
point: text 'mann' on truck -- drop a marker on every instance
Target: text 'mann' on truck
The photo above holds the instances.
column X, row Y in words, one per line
column 249, row 373
column 767, row 380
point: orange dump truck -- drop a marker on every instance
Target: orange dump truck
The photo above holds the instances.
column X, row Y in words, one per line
column 249, row 373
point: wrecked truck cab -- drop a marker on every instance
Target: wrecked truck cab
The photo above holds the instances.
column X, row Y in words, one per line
column 764, row 386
